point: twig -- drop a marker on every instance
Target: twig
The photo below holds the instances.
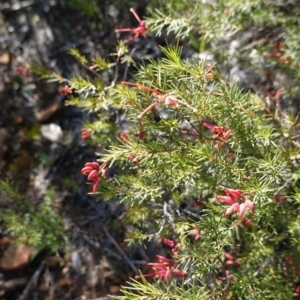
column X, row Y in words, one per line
column 33, row 281
column 192, row 214
column 265, row 263
column 287, row 182
column 91, row 242
column 127, row 65
column 120, row 250
column 161, row 228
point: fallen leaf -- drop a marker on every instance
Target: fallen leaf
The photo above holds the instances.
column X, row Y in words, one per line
column 4, row 58
column 16, row 257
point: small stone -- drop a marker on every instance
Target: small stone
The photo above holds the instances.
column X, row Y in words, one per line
column 52, row 132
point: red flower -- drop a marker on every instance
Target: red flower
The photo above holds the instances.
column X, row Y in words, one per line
column 168, row 242
column 124, row 137
column 141, row 30
column 219, row 133
column 92, row 169
column 233, row 193
column 85, row 133
column 141, row 135
column 65, row 90
column 173, row 245
column 22, row 71
column 231, row 198
column 230, row 260
column 165, row 268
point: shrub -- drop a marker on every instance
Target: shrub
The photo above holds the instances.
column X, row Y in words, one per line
column 209, row 168
column 38, row 225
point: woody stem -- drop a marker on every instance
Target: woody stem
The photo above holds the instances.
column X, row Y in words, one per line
column 140, row 116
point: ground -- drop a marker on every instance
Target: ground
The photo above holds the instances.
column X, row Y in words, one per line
column 34, row 158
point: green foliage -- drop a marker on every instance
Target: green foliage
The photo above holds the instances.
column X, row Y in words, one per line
column 189, row 137
column 46, row 74
column 34, row 224
column 174, row 165
column 144, row 290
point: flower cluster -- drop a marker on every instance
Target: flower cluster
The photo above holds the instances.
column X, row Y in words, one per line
column 230, row 260
column 164, row 268
column 231, row 198
column 66, row 90
column 169, row 100
column 141, row 30
column 92, row 169
column 219, row 133
column 173, row 245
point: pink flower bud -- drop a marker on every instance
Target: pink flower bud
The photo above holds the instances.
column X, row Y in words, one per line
column 104, row 172
column 86, row 170
column 96, row 181
column 226, row 199
column 233, row 193
column 65, row 90
column 171, row 101
column 229, row 263
column 228, row 256
column 250, row 205
column 179, row 273
column 227, row 134
column 93, row 174
column 96, row 165
column 164, row 259
column 89, row 164
column 241, row 210
column 168, row 242
column 234, row 207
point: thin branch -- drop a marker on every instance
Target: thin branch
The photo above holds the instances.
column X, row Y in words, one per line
column 32, row 282
column 113, row 241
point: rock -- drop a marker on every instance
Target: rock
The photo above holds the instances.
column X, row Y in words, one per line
column 52, row 132
column 15, row 257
